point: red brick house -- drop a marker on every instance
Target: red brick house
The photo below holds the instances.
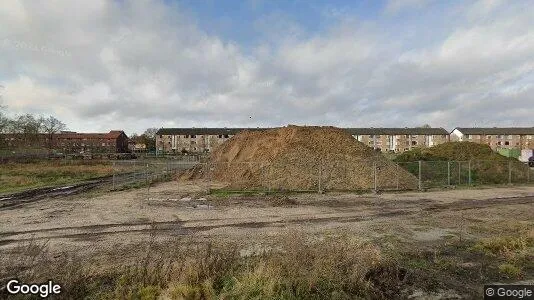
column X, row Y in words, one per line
column 114, row 141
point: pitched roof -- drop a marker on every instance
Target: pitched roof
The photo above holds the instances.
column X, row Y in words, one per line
column 497, row 130
column 397, row 131
column 353, row 131
column 203, row 131
column 75, row 135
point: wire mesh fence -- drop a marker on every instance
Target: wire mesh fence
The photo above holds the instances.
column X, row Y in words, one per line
column 321, row 176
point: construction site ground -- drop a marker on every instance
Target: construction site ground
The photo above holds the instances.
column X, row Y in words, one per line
column 99, row 222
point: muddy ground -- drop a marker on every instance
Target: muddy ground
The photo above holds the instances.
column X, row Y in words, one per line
column 95, row 221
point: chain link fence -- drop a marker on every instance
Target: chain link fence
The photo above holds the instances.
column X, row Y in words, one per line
column 320, row 176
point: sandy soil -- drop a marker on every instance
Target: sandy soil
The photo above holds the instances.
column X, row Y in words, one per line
column 91, row 221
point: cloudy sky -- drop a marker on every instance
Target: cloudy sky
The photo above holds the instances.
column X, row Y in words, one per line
column 117, row 64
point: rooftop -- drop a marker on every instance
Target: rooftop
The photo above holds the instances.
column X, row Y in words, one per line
column 497, row 130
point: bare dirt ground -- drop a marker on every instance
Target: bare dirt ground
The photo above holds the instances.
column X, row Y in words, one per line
column 171, row 209
column 97, row 221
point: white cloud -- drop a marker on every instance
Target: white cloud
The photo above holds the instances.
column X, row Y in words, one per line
column 394, row 6
column 141, row 64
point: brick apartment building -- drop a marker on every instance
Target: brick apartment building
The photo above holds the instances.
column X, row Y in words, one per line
column 114, row 141
column 199, row 140
column 497, row 137
column 399, row 139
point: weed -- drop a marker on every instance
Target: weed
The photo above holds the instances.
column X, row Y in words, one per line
column 510, row 271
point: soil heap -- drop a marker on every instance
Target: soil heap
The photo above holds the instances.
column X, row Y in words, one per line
column 460, row 151
column 487, row 166
column 295, row 157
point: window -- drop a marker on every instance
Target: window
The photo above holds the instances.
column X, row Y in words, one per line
column 499, row 143
column 371, row 136
column 225, row 136
column 220, row 136
column 467, row 136
column 507, row 143
column 488, row 136
column 414, row 143
column 508, row 137
column 193, row 136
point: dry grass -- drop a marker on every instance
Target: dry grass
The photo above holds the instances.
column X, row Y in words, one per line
column 19, row 176
column 295, row 269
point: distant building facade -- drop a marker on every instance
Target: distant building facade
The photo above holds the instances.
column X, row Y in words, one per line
column 497, row 137
column 114, row 141
column 399, row 139
column 194, row 140
column 202, row 140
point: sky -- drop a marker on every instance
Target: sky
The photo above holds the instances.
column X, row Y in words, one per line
column 116, row 64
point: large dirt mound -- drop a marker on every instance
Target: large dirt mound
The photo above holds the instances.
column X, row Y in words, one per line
column 301, row 158
column 487, row 166
column 452, row 151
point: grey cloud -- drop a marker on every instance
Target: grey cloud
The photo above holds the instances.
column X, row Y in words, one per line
column 142, row 64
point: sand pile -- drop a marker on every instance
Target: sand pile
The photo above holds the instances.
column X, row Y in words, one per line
column 295, row 157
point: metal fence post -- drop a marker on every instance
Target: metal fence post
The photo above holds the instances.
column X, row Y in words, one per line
column 509, row 172
column 459, row 173
column 420, row 183
column 148, row 184
column 397, row 175
column 449, row 173
column 469, row 172
column 320, row 174
column 374, row 175
column 262, row 177
column 269, row 179
column 208, row 184
column 113, row 175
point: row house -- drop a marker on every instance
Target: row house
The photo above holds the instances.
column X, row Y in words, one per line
column 114, row 141
column 399, row 139
column 497, row 137
column 198, row 140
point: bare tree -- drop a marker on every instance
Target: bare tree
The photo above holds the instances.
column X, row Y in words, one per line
column 27, row 126
column 149, row 138
column 151, row 133
column 51, row 126
column 4, row 120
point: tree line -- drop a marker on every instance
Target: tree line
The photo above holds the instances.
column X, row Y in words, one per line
column 29, row 124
